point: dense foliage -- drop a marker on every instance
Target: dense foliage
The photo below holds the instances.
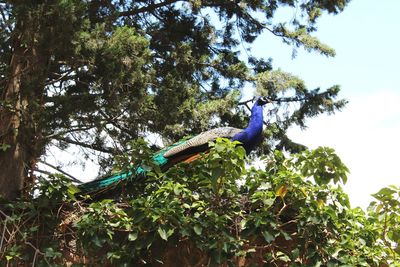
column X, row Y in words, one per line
column 291, row 212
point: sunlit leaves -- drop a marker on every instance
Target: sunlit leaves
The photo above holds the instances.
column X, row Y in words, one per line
column 385, row 215
column 165, row 233
column 281, row 192
column 323, row 165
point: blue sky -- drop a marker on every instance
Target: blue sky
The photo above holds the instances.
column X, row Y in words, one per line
column 366, row 133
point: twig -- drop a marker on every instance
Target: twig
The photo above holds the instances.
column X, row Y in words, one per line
column 3, row 236
column 34, row 258
column 285, row 206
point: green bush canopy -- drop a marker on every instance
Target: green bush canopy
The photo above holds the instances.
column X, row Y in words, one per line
column 212, row 212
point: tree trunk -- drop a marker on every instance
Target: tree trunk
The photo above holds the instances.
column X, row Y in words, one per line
column 18, row 129
column 12, row 156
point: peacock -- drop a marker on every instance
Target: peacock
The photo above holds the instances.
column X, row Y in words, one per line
column 187, row 150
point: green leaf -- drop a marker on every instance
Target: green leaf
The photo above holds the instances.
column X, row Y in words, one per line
column 303, row 190
column 268, row 236
column 165, row 234
column 97, row 241
column 170, row 232
column 72, row 189
column 198, row 229
column 286, row 235
column 216, row 173
column 384, row 194
column 295, row 253
column 4, row 147
column 268, row 202
column 133, row 236
column 162, row 233
column 177, row 189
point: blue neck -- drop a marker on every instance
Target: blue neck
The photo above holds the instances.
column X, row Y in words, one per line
column 251, row 136
column 256, row 121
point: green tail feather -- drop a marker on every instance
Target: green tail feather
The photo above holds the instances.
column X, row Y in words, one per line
column 96, row 185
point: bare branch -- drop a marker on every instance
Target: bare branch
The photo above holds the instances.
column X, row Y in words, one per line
column 246, row 101
column 59, row 170
column 90, row 146
column 288, row 99
column 148, row 8
column 54, row 135
column 64, row 76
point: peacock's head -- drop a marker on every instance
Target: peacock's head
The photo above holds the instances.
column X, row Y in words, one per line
column 262, row 100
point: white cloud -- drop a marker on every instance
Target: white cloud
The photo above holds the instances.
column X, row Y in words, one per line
column 366, row 137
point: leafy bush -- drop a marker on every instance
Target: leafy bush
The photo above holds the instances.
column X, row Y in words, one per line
column 214, row 211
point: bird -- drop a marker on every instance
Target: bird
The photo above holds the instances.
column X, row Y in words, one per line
column 187, row 150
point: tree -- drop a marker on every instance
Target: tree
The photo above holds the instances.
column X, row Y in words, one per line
column 97, row 74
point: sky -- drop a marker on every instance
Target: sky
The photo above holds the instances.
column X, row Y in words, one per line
column 365, row 134
column 366, row 66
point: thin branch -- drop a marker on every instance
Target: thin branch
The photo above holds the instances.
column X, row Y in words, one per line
column 53, row 99
column 288, row 99
column 148, row 8
column 60, row 78
column 42, row 171
column 60, row 170
column 53, row 135
column 91, row 146
column 278, row 100
column 246, row 101
column 285, row 206
column 3, row 236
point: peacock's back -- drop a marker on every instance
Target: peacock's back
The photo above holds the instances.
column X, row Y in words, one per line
column 165, row 158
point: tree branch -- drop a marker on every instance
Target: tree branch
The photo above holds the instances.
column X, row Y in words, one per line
column 91, row 146
column 246, row 101
column 288, row 99
column 59, row 170
column 148, row 8
column 54, row 135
